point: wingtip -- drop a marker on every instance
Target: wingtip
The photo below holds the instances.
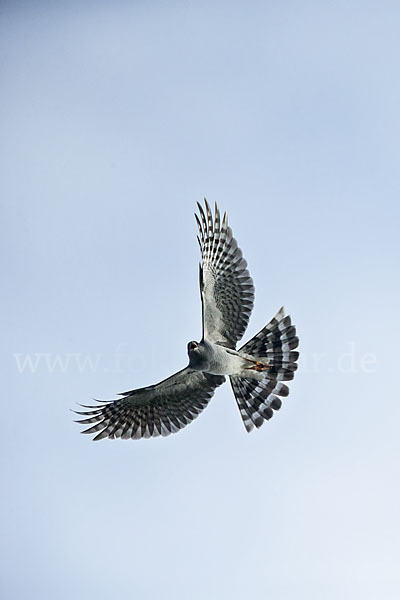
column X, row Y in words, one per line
column 198, row 223
column 202, row 214
column 97, row 438
column 209, row 215
column 217, row 217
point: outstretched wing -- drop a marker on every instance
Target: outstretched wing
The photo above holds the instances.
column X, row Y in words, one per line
column 156, row 410
column 227, row 290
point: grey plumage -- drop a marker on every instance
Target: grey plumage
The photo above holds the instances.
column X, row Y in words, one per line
column 227, row 290
column 257, row 400
column 155, row 410
column 256, row 370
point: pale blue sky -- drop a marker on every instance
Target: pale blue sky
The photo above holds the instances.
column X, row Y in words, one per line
column 115, row 120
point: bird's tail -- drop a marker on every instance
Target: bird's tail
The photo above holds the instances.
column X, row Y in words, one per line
column 275, row 343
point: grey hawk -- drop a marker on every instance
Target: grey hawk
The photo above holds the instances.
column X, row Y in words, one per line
column 256, row 370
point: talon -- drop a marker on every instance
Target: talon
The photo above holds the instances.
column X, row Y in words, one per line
column 258, row 366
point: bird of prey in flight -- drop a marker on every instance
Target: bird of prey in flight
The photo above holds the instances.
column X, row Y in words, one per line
column 256, row 370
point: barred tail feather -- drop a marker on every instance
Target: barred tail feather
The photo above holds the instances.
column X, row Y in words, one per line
column 257, row 400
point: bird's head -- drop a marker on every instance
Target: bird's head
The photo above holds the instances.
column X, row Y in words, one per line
column 194, row 352
column 192, row 347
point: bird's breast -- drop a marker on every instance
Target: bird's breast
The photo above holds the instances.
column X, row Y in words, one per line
column 222, row 361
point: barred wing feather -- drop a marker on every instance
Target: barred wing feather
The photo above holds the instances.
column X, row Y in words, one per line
column 227, row 290
column 155, row 410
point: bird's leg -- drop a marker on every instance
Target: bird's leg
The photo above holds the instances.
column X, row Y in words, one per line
column 257, row 365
